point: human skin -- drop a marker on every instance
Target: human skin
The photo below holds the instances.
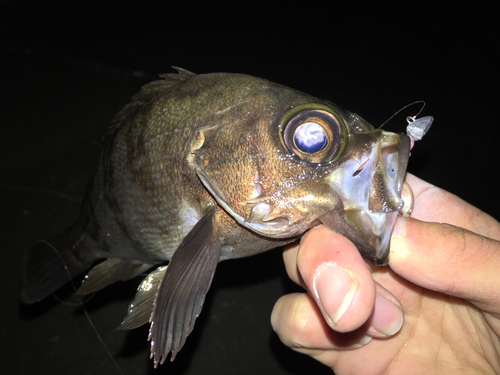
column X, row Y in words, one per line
column 435, row 309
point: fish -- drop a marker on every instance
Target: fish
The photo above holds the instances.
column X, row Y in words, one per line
column 202, row 168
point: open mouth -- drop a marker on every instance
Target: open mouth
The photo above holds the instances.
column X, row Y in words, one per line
column 373, row 199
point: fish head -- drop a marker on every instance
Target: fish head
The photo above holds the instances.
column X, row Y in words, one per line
column 281, row 169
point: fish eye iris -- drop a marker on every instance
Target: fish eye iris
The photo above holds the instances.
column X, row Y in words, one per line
column 314, row 133
column 310, row 138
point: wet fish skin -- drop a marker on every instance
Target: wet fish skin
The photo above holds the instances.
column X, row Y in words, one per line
column 196, row 170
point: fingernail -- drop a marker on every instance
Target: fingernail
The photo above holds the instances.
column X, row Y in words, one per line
column 365, row 340
column 387, row 315
column 357, row 343
column 334, row 288
column 400, row 227
column 408, row 199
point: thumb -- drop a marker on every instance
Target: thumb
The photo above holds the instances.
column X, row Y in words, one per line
column 448, row 259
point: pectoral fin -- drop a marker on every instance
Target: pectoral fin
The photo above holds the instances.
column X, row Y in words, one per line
column 110, row 271
column 182, row 291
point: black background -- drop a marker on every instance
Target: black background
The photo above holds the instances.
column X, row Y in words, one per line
column 67, row 67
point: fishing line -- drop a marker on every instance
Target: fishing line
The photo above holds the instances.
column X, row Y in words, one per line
column 83, row 307
column 406, row 106
column 71, row 303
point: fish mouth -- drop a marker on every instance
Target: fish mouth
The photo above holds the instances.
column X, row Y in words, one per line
column 372, row 198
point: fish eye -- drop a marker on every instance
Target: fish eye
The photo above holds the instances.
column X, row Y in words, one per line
column 314, row 132
column 310, row 137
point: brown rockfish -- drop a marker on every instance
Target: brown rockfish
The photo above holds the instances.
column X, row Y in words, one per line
column 202, row 168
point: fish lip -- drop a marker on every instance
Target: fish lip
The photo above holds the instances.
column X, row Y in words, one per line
column 383, row 223
column 404, row 156
column 370, row 230
column 372, row 246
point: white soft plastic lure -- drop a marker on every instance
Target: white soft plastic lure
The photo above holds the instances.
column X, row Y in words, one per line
column 417, row 128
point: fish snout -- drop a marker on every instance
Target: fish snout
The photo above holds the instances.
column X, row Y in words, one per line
column 385, row 201
column 373, row 199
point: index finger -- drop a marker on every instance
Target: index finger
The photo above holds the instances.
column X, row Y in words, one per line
column 448, row 259
column 437, row 205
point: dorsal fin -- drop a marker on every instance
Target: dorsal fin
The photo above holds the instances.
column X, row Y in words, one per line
column 181, row 75
column 170, row 79
column 148, row 91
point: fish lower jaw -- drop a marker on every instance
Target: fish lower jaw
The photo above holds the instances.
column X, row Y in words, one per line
column 374, row 229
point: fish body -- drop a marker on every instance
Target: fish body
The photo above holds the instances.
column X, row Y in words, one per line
column 202, row 168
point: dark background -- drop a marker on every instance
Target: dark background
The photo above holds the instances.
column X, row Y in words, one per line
column 67, row 67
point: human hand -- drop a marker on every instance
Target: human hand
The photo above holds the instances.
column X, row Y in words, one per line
column 444, row 277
